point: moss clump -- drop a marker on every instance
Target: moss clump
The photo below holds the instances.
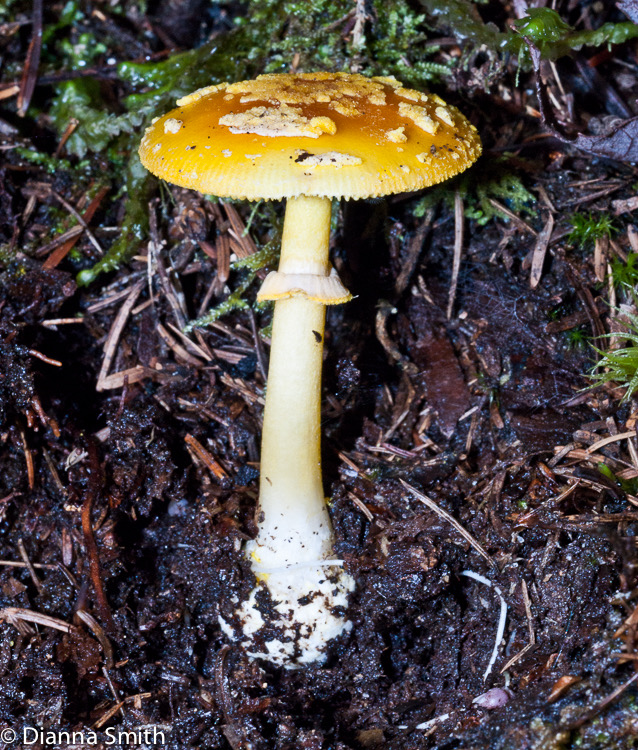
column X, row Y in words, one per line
column 555, row 38
column 248, row 268
column 589, row 227
column 327, row 35
column 495, row 180
column 235, row 301
column 625, row 274
column 158, row 85
column 543, row 27
column 620, row 366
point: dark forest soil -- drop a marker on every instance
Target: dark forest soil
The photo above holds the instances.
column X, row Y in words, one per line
column 123, row 510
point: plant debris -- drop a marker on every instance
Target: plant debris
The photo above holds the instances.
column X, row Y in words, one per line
column 132, row 379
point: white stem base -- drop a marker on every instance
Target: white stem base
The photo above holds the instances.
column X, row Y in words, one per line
column 304, row 611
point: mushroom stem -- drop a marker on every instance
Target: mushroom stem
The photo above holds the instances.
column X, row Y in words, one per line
column 291, row 496
column 291, row 556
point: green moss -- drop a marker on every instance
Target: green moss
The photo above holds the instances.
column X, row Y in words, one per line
column 589, row 227
column 621, row 365
column 318, row 34
column 49, row 163
column 542, row 26
column 81, row 100
column 507, row 189
column 396, row 46
column 312, row 30
column 576, row 338
column 71, row 15
column 625, row 274
column 555, row 38
column 463, row 19
column 627, row 485
column 235, row 301
column 487, row 181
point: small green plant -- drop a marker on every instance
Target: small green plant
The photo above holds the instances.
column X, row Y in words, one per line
column 576, row 338
column 555, row 38
column 625, row 274
column 589, row 227
column 621, row 365
column 543, row 27
column 627, row 485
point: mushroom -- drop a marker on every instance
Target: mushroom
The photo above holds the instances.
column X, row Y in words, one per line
column 308, row 138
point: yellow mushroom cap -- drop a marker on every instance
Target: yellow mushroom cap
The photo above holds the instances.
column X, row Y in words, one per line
column 315, row 134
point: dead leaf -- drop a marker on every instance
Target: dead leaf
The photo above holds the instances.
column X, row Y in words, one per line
column 561, row 686
column 619, row 143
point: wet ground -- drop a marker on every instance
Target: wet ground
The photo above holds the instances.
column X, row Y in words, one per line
column 464, row 459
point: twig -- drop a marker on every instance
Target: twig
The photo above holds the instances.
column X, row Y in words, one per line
column 179, row 351
column 80, row 221
column 43, row 358
column 198, row 350
column 115, row 708
column 70, row 234
column 601, row 252
column 117, row 327
column 45, row 420
column 244, row 243
column 530, row 629
column 233, row 736
column 101, row 636
column 130, row 376
column 238, row 385
column 7, row 90
column 259, row 349
column 602, row 705
column 68, row 132
column 62, row 251
column 34, row 577
column 384, row 310
column 30, row 73
column 358, row 32
column 91, row 492
column 54, row 322
column 16, row 564
column 207, row 459
column 433, row 722
column 500, row 630
column 28, row 457
column 611, row 439
column 514, row 218
column 113, row 690
column 15, row 615
column 450, row 519
column 362, row 506
column 458, row 249
column 414, row 251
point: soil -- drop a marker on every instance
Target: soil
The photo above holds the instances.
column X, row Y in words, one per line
column 123, row 507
